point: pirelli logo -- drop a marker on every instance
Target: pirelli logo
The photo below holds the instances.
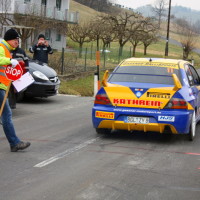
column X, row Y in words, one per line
column 158, row 95
column 106, row 115
column 136, row 102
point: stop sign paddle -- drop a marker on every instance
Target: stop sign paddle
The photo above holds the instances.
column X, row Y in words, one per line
column 15, row 73
column 12, row 74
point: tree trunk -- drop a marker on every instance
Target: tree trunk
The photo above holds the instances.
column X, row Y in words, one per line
column 120, row 50
column 145, row 50
column 134, row 50
column 80, row 50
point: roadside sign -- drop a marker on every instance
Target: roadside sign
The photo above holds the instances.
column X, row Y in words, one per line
column 15, row 73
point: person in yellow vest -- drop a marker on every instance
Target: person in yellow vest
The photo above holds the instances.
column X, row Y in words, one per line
column 9, row 43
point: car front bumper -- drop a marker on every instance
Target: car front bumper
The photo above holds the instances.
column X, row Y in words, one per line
column 38, row 89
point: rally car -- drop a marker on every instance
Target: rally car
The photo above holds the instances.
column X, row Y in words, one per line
column 149, row 94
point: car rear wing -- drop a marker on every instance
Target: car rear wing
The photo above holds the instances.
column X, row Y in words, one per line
column 105, row 79
column 177, row 83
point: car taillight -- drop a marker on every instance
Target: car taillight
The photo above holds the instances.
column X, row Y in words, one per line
column 176, row 103
column 102, row 99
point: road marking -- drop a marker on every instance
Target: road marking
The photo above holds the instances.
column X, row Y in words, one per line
column 65, row 153
column 113, row 152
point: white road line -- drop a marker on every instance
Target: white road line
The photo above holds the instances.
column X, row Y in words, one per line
column 65, row 153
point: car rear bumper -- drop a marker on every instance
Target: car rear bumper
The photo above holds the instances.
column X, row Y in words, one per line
column 38, row 89
column 174, row 121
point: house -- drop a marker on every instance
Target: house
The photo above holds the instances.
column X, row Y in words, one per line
column 52, row 15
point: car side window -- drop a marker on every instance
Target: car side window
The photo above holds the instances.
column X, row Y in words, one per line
column 189, row 75
column 196, row 78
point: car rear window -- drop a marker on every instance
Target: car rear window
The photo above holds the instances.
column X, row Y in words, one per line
column 144, row 74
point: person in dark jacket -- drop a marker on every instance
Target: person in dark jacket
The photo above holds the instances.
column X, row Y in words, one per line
column 41, row 50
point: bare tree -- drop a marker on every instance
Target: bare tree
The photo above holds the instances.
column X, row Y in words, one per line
column 140, row 35
column 124, row 25
column 102, row 30
column 29, row 23
column 148, row 39
column 79, row 33
column 34, row 24
column 188, row 36
column 5, row 17
column 135, row 41
column 188, row 42
column 159, row 10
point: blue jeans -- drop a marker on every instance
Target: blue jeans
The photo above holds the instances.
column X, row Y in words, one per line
column 7, row 122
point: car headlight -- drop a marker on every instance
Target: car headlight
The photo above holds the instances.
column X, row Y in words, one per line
column 40, row 75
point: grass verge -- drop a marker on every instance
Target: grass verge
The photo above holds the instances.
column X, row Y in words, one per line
column 83, row 86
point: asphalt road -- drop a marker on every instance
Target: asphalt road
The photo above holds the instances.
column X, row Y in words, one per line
column 67, row 160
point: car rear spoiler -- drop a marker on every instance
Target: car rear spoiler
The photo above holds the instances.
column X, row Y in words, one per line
column 177, row 83
column 105, row 79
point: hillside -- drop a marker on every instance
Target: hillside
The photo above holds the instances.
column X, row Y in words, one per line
column 175, row 49
column 85, row 13
column 177, row 11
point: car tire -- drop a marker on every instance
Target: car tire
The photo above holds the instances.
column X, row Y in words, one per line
column 192, row 132
column 103, row 131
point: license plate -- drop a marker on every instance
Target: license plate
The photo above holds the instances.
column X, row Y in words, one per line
column 138, row 120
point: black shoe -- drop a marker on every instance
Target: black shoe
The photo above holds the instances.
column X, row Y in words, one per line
column 20, row 146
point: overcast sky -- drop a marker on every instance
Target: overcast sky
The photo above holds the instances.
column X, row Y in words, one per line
column 193, row 4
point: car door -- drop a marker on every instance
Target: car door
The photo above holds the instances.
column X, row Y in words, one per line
column 194, row 81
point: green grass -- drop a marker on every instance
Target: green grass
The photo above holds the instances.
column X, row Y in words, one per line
column 83, row 86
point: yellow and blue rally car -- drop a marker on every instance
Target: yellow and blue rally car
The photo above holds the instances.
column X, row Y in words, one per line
column 149, row 94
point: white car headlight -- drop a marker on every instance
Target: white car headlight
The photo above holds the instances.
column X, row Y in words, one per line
column 40, row 75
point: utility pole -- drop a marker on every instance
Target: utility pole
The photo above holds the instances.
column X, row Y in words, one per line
column 168, row 23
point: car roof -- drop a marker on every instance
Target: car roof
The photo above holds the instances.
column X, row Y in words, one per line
column 174, row 63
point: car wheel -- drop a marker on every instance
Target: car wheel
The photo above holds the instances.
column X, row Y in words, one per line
column 192, row 132
column 103, row 130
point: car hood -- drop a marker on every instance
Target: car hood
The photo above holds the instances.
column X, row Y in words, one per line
column 48, row 71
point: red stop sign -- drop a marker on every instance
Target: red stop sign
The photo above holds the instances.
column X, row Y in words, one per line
column 14, row 73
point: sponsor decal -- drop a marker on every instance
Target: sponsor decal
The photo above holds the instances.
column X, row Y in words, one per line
column 137, row 111
column 170, row 70
column 137, row 102
column 166, row 118
column 155, row 64
column 138, row 89
column 138, row 94
column 106, row 115
column 158, row 95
